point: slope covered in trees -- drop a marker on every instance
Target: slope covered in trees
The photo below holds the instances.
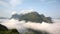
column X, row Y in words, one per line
column 5, row 30
column 32, row 16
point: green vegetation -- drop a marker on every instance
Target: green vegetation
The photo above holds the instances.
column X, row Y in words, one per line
column 9, row 32
column 4, row 30
column 33, row 16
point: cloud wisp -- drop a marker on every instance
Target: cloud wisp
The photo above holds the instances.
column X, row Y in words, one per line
column 22, row 26
column 11, row 3
column 14, row 3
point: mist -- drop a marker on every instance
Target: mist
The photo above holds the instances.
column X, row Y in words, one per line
column 46, row 7
column 23, row 26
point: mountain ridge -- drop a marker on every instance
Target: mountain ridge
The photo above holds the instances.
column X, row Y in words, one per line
column 32, row 16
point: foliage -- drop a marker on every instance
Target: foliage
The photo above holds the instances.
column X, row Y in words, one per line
column 4, row 30
column 33, row 16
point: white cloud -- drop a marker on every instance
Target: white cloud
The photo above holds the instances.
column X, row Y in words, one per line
column 22, row 26
column 26, row 11
column 42, row 0
column 14, row 12
column 2, row 3
column 14, row 3
column 47, row 1
column 11, row 3
column 7, row 7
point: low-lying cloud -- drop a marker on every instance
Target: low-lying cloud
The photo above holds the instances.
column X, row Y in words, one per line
column 22, row 26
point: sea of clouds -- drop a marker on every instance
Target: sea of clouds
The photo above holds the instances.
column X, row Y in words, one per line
column 22, row 26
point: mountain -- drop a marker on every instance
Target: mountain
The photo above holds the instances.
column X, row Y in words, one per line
column 15, row 16
column 32, row 16
column 2, row 28
column 5, row 30
column 3, row 18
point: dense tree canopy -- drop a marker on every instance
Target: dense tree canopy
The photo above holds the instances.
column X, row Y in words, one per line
column 4, row 30
column 33, row 16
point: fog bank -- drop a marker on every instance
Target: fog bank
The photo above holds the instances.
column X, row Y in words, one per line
column 22, row 26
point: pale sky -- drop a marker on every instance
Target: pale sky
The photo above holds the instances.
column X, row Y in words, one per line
column 47, row 7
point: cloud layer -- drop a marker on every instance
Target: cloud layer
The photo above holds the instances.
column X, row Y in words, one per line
column 22, row 26
column 14, row 3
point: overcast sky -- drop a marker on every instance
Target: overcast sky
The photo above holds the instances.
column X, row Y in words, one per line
column 46, row 7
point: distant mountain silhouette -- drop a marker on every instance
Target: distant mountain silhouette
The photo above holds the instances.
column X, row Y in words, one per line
column 32, row 16
column 3, row 18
